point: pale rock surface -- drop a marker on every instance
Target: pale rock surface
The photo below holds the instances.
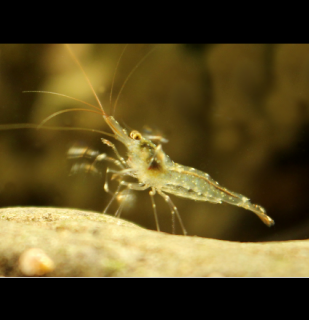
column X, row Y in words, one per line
column 70, row 243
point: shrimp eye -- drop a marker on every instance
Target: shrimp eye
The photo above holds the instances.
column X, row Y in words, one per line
column 135, row 135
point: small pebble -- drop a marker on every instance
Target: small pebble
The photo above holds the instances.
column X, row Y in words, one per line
column 35, row 262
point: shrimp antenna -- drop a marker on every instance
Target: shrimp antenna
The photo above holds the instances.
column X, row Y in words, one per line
column 86, row 77
column 114, row 76
column 35, row 126
column 66, row 96
column 130, row 74
column 66, row 110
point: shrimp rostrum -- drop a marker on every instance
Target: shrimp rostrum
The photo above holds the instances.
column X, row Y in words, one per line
column 154, row 170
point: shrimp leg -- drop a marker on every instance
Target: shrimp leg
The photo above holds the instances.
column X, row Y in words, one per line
column 113, row 197
column 152, row 192
column 132, row 186
column 154, row 207
column 174, row 211
column 111, row 145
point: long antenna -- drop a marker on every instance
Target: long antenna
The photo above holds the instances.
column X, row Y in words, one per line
column 114, row 76
column 130, row 74
column 66, row 96
column 64, row 111
column 86, row 77
column 36, row 126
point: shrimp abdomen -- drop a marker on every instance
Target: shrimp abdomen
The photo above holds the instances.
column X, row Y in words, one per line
column 197, row 185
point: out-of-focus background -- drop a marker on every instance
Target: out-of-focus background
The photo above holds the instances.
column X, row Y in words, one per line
column 239, row 112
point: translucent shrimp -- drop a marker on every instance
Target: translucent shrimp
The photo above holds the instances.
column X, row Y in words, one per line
column 154, row 170
column 148, row 164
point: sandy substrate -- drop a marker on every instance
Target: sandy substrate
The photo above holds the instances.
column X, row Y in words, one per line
column 68, row 243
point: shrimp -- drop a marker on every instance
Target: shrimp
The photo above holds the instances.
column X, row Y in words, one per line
column 150, row 166
column 153, row 169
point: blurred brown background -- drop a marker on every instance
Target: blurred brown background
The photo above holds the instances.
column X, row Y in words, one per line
column 237, row 112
